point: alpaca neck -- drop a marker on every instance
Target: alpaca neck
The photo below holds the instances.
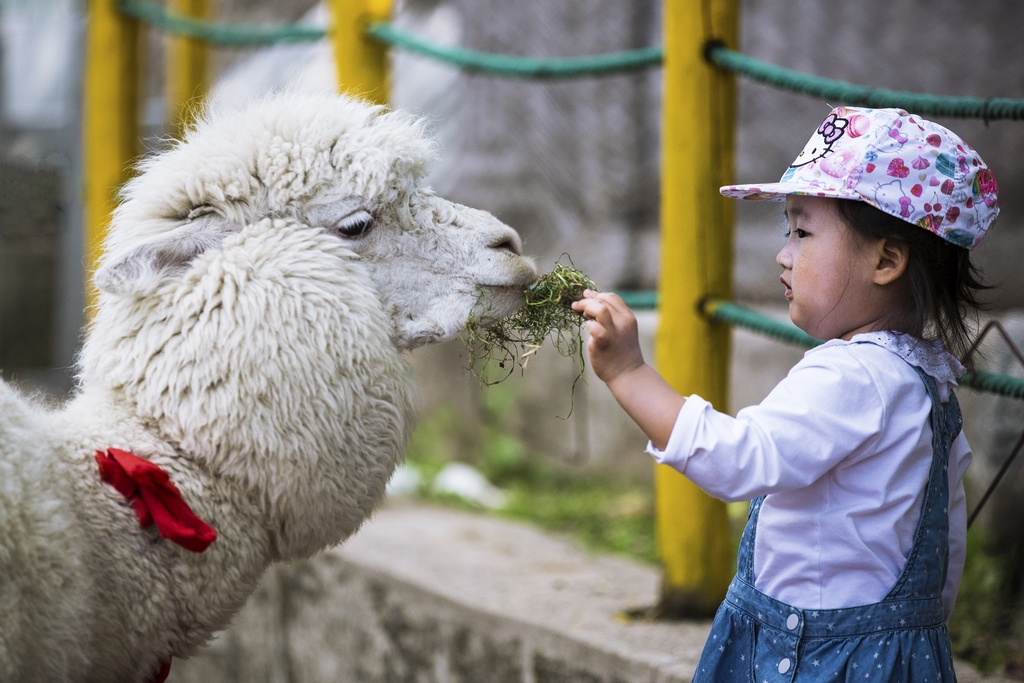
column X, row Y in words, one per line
column 309, row 484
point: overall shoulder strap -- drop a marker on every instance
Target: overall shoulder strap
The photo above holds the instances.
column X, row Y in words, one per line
column 924, row 574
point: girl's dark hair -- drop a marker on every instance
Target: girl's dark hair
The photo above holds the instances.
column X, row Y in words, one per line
column 945, row 287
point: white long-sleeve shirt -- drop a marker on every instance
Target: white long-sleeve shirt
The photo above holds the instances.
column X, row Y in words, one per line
column 841, row 449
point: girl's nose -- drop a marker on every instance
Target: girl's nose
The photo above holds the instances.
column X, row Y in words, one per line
column 783, row 258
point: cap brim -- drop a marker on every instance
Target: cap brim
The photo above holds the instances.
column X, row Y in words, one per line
column 777, row 192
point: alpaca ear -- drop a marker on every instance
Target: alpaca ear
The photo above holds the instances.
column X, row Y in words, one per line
column 146, row 266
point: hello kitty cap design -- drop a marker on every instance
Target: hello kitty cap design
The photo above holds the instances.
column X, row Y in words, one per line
column 899, row 163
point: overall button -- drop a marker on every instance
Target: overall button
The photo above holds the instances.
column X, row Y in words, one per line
column 784, row 665
column 792, row 622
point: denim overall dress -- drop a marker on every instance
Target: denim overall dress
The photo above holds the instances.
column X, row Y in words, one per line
column 901, row 639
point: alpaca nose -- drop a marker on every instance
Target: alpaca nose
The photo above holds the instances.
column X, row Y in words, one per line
column 506, row 239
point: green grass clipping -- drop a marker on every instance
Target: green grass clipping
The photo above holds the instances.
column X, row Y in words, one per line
column 546, row 314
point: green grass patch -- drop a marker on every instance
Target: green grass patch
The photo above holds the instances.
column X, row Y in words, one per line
column 987, row 626
column 599, row 516
column 602, row 513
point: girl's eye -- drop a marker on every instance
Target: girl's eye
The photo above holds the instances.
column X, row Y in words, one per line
column 355, row 224
column 798, row 232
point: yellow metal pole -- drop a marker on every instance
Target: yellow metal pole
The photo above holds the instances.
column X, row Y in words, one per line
column 696, row 247
column 186, row 68
column 110, row 117
column 361, row 61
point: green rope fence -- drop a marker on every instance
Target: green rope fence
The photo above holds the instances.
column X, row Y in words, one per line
column 639, row 300
column 1004, row 385
column 514, row 66
column 733, row 314
column 988, row 109
column 219, row 33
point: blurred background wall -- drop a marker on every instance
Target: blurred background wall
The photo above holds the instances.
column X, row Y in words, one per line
column 40, row 213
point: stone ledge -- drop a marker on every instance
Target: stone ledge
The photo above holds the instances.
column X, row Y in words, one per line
column 427, row 595
column 430, row 595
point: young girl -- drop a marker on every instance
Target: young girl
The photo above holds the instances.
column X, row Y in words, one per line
column 854, row 546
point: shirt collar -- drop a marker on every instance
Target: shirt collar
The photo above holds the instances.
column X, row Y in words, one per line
column 927, row 355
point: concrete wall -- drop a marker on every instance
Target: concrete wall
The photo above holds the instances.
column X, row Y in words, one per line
column 423, row 595
column 30, row 228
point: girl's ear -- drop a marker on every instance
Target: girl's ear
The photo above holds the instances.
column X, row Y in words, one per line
column 892, row 260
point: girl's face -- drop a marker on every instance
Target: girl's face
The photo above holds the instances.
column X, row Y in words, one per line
column 827, row 271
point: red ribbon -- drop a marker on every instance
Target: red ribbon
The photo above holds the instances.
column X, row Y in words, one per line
column 155, row 498
column 163, row 673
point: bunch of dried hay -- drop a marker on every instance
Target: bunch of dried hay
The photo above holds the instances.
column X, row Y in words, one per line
column 546, row 313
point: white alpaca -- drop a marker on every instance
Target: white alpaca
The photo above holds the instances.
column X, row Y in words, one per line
column 258, row 286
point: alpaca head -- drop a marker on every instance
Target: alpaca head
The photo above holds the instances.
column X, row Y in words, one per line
column 258, row 283
column 338, row 166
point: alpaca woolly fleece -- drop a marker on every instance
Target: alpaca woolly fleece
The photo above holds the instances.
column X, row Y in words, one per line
column 258, row 289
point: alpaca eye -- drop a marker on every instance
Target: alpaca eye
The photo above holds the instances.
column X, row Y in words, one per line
column 354, row 225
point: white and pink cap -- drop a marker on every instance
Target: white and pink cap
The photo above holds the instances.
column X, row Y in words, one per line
column 898, row 162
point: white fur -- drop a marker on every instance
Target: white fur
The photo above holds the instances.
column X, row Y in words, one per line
column 255, row 353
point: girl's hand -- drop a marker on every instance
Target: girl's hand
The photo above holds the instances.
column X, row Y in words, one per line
column 615, row 356
column 614, row 344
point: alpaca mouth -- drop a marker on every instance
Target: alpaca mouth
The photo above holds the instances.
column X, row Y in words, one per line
column 503, row 300
column 516, row 285
column 507, row 288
